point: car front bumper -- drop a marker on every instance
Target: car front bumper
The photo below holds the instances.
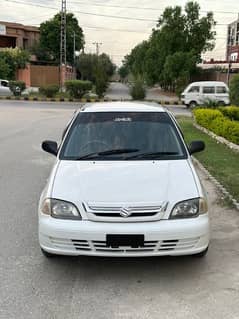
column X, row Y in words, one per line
column 164, row 237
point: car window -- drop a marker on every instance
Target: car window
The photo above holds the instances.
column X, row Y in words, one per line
column 209, row 90
column 4, row 83
column 194, row 89
column 221, row 89
column 146, row 132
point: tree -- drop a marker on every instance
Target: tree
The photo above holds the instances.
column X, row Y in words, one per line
column 178, row 35
column 4, row 68
column 49, row 45
column 123, row 72
column 11, row 60
column 97, row 69
column 87, row 64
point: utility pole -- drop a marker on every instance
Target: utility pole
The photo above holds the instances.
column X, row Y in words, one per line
column 63, row 43
column 97, row 47
column 74, row 47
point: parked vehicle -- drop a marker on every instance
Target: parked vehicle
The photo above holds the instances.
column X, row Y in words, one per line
column 123, row 184
column 199, row 93
column 4, row 88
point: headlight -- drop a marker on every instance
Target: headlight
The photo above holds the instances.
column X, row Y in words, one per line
column 60, row 209
column 189, row 208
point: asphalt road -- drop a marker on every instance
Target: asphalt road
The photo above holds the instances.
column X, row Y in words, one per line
column 32, row 286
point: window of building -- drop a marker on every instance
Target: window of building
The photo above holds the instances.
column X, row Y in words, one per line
column 209, row 90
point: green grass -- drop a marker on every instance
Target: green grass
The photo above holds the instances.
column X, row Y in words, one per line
column 220, row 161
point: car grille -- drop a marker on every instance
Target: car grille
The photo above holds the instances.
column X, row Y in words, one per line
column 149, row 246
column 120, row 213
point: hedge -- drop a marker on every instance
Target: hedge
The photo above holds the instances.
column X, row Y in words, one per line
column 49, row 90
column 232, row 112
column 77, row 88
column 216, row 122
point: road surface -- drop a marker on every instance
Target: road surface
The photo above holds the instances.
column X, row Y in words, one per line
column 32, row 286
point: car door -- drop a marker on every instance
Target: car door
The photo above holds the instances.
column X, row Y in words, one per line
column 208, row 93
column 4, row 89
column 193, row 94
column 222, row 94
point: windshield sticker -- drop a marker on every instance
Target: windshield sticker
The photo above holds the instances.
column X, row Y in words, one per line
column 123, row 119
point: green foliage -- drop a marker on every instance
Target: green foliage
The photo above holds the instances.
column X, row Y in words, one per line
column 211, row 104
column 17, row 87
column 137, row 91
column 87, row 65
column 50, row 30
column 234, row 90
column 49, row 90
column 123, row 72
column 217, row 123
column 77, row 88
column 232, row 112
column 97, row 69
column 11, row 60
column 175, row 46
column 4, row 68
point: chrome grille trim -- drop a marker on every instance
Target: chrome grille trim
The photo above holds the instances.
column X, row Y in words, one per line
column 113, row 213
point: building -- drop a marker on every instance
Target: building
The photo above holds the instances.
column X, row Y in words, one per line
column 18, row 35
column 233, row 41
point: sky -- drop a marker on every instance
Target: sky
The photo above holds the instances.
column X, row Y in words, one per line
column 118, row 25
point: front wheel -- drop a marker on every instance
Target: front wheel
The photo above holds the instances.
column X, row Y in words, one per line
column 201, row 254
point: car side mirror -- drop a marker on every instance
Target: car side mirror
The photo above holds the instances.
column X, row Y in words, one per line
column 50, row 147
column 196, row 146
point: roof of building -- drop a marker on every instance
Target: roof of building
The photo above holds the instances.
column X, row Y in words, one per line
column 123, row 106
column 20, row 26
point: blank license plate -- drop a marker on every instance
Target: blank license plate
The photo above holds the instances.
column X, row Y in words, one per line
column 133, row 241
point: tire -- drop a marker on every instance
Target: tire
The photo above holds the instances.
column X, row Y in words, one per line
column 201, row 254
column 193, row 104
column 47, row 254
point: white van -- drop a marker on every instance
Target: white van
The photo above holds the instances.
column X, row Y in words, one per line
column 198, row 93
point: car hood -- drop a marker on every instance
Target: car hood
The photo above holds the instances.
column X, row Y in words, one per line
column 124, row 181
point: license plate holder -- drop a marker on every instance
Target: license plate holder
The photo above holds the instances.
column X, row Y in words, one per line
column 124, row 240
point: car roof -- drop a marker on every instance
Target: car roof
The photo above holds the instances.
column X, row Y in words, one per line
column 123, row 107
column 208, row 83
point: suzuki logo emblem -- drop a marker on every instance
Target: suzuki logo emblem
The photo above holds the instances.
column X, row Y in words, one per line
column 125, row 212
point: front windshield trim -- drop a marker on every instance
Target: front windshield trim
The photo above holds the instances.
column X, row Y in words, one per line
column 124, row 157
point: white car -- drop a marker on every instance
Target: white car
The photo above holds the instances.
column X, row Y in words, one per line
column 199, row 93
column 4, row 88
column 123, row 184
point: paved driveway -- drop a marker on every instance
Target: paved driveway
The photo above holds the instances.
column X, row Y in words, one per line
column 103, row 288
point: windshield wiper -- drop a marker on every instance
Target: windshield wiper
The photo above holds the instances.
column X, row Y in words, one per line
column 106, row 153
column 152, row 154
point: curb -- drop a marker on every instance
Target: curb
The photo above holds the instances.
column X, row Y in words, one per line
column 219, row 139
column 221, row 188
column 37, row 99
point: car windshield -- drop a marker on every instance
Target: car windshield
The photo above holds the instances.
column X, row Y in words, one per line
column 123, row 136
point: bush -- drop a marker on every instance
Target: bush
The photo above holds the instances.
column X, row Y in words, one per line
column 49, row 90
column 138, row 91
column 234, row 90
column 17, row 87
column 217, row 123
column 232, row 112
column 100, row 85
column 77, row 88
